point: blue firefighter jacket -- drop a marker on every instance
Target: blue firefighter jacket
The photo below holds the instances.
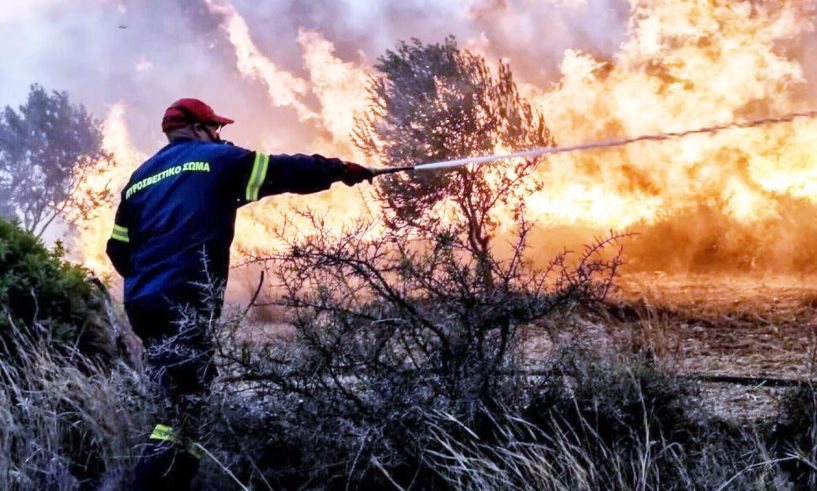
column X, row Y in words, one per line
column 176, row 217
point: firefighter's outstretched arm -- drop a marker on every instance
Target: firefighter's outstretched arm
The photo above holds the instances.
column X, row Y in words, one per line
column 302, row 174
column 119, row 245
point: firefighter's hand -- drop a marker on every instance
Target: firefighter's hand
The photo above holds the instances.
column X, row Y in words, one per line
column 356, row 173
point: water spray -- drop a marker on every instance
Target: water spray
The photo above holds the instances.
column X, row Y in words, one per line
column 539, row 151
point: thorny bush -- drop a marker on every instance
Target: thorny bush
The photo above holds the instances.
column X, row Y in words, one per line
column 387, row 329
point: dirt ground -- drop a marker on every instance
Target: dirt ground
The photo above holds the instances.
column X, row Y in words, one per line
column 731, row 325
column 746, row 326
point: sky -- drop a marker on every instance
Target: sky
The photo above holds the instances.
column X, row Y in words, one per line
column 147, row 53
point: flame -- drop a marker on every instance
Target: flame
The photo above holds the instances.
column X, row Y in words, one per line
column 94, row 233
column 340, row 89
column 339, row 86
column 333, row 82
column 685, row 65
column 284, row 88
column 682, row 65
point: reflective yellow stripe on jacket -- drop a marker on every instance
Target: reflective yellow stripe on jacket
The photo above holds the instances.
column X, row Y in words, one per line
column 166, row 434
column 257, row 176
column 120, row 233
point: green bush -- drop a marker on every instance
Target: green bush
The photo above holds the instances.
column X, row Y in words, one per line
column 45, row 297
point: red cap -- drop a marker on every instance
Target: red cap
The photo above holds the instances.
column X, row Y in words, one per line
column 186, row 111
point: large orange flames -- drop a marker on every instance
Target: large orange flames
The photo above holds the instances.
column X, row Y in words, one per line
column 94, row 233
column 684, row 65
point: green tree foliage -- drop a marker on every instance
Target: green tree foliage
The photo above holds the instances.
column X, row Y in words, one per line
column 45, row 297
column 433, row 102
column 48, row 149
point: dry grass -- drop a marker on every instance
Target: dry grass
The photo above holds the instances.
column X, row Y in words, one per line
column 594, row 420
column 66, row 423
column 728, row 325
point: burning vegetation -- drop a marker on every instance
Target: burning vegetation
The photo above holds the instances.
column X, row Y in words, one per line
column 739, row 199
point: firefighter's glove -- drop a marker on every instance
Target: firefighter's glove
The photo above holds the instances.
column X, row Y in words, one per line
column 355, row 174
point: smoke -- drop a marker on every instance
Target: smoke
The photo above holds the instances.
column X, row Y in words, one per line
column 22, row 10
column 293, row 75
column 251, row 59
column 284, row 89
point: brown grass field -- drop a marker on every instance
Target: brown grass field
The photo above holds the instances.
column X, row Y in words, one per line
column 743, row 326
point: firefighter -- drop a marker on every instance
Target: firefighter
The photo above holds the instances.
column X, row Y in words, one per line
column 171, row 241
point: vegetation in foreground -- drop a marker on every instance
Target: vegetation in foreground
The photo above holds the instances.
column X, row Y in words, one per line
column 590, row 420
column 403, row 369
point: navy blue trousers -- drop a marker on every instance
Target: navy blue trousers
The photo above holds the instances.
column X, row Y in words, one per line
column 179, row 360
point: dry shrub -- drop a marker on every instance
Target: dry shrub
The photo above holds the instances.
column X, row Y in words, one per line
column 795, row 436
column 627, row 423
column 388, row 329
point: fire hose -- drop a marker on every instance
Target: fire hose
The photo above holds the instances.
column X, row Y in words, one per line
column 540, row 151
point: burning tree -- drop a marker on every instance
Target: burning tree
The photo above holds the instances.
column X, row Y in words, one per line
column 48, row 149
column 436, row 102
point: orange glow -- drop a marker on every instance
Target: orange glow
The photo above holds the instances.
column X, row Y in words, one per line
column 284, row 88
column 339, row 86
column 683, row 65
column 94, row 233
